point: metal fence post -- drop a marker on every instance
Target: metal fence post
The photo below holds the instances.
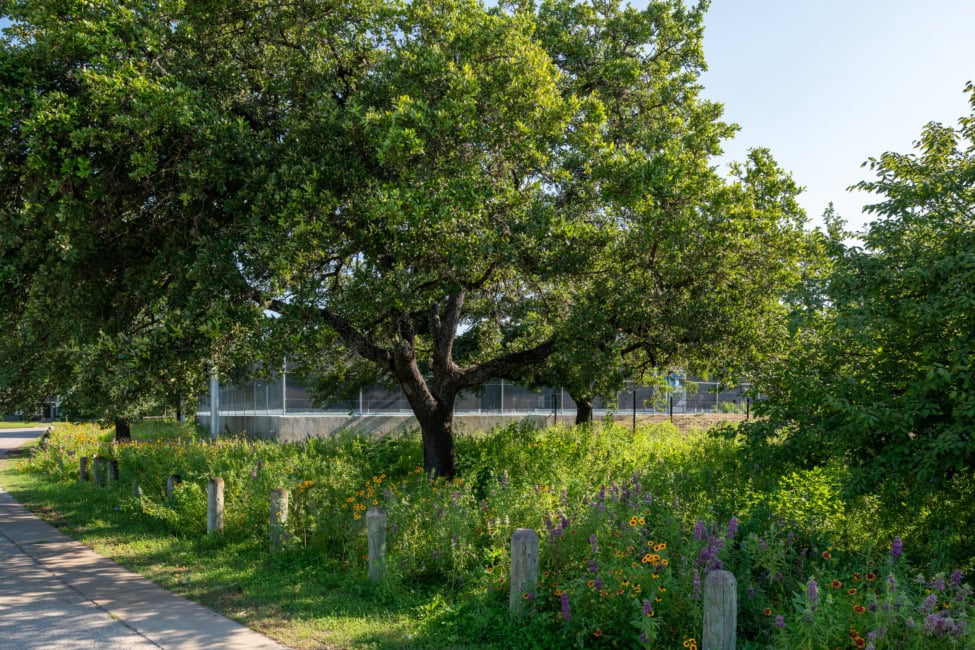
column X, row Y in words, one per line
column 284, row 389
column 214, row 406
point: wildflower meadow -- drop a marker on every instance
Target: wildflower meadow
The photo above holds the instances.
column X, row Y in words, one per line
column 630, row 523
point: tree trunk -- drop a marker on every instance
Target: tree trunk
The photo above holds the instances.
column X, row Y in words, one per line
column 435, row 413
column 122, row 431
column 437, row 430
column 583, row 409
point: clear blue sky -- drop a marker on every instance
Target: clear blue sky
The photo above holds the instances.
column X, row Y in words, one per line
column 825, row 84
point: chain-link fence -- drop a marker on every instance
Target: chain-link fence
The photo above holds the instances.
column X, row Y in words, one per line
column 282, row 396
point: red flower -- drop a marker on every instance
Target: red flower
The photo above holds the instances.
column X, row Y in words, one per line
column 860, row 643
column 871, row 577
column 851, row 591
column 826, row 555
column 859, row 609
column 598, row 633
column 857, row 575
column 767, row 611
column 836, row 584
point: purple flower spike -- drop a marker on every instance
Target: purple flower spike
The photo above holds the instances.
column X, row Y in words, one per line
column 812, row 593
column 647, row 607
column 700, row 531
column 566, row 614
column 780, row 621
column 955, row 579
column 732, row 527
column 593, row 568
column 592, row 543
column 896, row 547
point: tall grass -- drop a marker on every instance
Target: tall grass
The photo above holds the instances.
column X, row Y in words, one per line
column 630, row 524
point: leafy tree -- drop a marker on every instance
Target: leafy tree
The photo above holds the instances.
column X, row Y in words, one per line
column 881, row 377
column 696, row 276
column 105, row 171
column 443, row 189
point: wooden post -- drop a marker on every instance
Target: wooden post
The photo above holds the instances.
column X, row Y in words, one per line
column 376, row 536
column 113, row 471
column 279, row 517
column 524, row 570
column 215, row 506
column 136, row 490
column 100, row 471
column 171, row 484
column 83, row 476
column 720, row 611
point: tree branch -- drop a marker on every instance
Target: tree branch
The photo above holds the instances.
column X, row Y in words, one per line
column 443, row 328
column 352, row 336
column 505, row 366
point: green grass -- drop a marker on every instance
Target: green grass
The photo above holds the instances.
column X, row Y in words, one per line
column 23, row 425
column 292, row 596
column 629, row 494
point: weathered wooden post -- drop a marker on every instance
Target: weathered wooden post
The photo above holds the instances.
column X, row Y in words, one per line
column 720, row 611
column 279, row 517
column 215, row 506
column 171, row 484
column 100, row 471
column 83, row 476
column 524, row 570
column 376, row 536
column 112, row 471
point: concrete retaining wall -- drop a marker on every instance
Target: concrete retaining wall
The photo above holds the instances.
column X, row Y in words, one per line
column 291, row 428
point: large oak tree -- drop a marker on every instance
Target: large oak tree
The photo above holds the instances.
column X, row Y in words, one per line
column 445, row 190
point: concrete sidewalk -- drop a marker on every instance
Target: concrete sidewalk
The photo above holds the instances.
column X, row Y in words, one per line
column 57, row 593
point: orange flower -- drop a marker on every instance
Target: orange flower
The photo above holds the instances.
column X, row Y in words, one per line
column 826, row 555
column 859, row 609
column 851, row 591
column 871, row 577
column 836, row 584
column 598, row 633
column 767, row 611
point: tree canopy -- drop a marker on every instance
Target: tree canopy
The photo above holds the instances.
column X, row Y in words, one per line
column 451, row 192
column 881, row 378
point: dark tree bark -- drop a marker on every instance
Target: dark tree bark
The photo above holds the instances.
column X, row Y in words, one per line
column 122, row 431
column 435, row 414
column 583, row 409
